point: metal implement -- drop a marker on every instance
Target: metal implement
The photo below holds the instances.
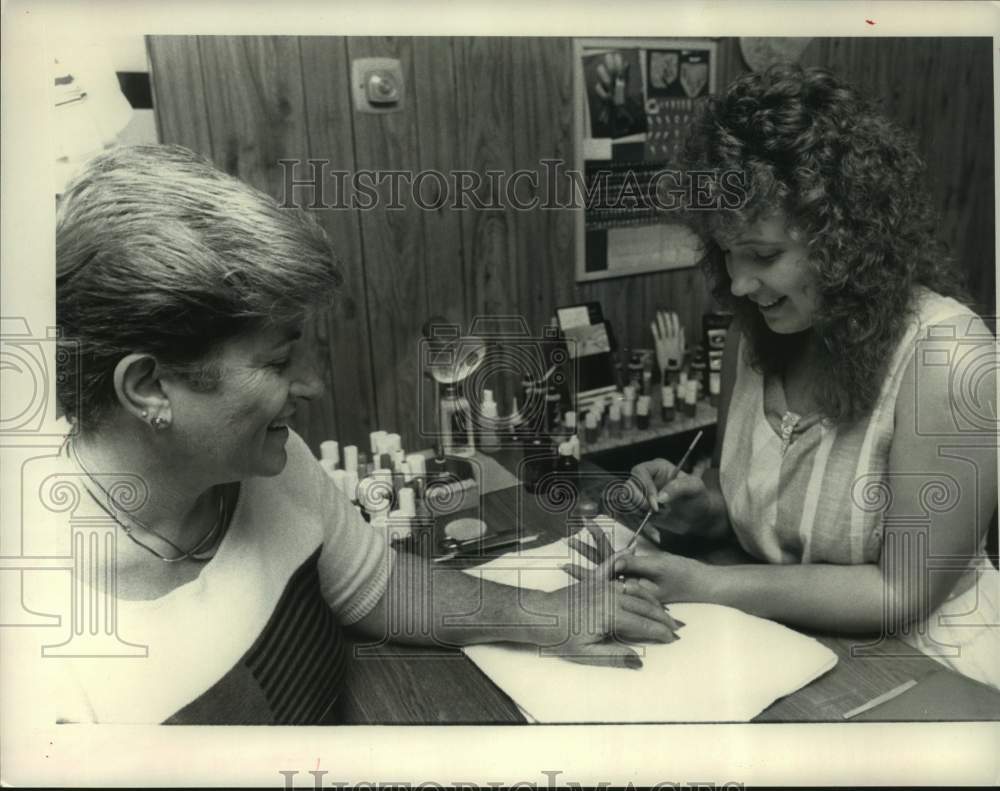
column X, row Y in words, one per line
column 500, row 541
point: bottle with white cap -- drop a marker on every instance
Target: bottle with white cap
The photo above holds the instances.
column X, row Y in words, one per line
column 351, row 458
column 383, row 456
column 667, row 413
column 569, row 422
column 489, row 441
column 691, row 398
column 628, row 407
column 642, row 412
column 329, row 450
column 566, row 465
column 376, row 438
column 417, row 464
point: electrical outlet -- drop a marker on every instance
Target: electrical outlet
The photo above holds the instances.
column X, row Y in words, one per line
column 377, row 85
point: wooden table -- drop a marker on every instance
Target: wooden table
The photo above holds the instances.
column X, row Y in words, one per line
column 402, row 684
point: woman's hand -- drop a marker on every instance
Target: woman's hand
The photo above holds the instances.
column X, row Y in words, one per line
column 670, row 578
column 598, row 615
column 685, row 503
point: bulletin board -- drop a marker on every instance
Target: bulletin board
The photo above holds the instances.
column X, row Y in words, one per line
column 634, row 101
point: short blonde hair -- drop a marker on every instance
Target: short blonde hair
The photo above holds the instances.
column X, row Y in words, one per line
column 159, row 251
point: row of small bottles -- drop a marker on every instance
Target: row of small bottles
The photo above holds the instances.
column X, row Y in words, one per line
column 464, row 429
column 703, row 369
column 387, row 488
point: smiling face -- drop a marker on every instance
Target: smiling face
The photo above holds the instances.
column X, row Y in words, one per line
column 769, row 265
column 239, row 429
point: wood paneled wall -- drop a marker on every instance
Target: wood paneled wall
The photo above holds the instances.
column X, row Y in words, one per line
column 502, row 104
column 941, row 91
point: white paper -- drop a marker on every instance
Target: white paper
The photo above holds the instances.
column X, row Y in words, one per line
column 728, row 666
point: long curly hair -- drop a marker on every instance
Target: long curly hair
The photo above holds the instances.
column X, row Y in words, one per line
column 803, row 143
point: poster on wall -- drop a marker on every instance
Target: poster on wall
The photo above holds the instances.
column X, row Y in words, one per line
column 635, row 101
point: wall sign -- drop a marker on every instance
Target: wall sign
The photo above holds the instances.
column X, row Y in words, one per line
column 634, row 101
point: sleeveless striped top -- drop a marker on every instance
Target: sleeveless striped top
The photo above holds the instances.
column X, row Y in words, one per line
column 800, row 489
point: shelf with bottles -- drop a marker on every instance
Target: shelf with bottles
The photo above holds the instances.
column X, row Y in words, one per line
column 607, row 439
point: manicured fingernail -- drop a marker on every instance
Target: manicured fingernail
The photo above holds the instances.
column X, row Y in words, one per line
column 632, row 661
column 679, row 623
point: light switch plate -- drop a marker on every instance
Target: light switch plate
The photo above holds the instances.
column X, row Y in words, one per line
column 377, row 85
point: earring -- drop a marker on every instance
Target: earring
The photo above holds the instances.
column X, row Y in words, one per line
column 159, row 423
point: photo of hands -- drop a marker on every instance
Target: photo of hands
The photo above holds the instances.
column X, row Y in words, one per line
column 614, row 94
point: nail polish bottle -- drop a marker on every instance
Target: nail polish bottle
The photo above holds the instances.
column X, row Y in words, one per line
column 635, row 373
column 489, row 441
column 375, row 442
column 714, row 387
column 590, row 430
column 437, row 466
column 615, row 420
column 642, row 412
column 667, row 412
column 569, row 423
column 330, row 451
column 566, row 465
column 691, row 398
column 351, row 458
column 628, row 410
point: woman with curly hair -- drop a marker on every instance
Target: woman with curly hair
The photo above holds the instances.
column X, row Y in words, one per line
column 849, row 458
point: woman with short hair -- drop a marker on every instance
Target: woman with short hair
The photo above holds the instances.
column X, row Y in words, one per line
column 182, row 294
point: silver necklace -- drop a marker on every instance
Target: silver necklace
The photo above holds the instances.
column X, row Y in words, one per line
column 194, row 553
